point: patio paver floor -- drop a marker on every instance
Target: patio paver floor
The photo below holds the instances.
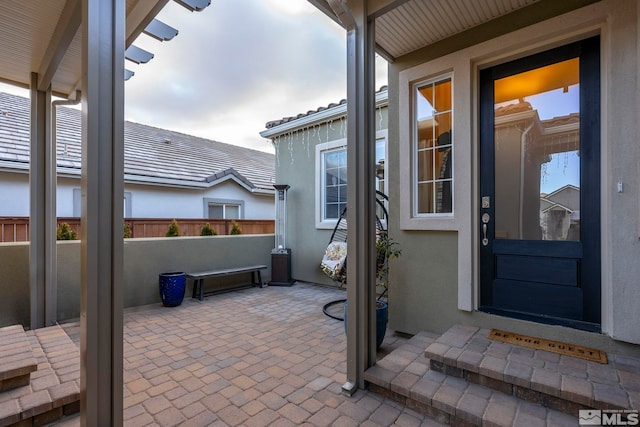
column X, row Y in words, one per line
column 254, row 357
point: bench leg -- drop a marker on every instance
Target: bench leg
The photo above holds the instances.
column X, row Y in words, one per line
column 201, row 290
column 259, row 278
column 195, row 288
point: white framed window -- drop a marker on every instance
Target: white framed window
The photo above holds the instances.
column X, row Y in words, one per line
column 331, row 178
column 223, row 209
column 331, row 182
column 432, row 148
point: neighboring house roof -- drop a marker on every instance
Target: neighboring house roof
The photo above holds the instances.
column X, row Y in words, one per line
column 555, row 207
column 151, row 155
column 319, row 115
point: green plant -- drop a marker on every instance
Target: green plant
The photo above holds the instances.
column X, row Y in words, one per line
column 65, row 232
column 174, row 230
column 126, row 232
column 208, row 231
column 386, row 249
column 235, row 228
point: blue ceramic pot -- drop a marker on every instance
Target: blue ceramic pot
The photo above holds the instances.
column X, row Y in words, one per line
column 172, row 287
column 382, row 317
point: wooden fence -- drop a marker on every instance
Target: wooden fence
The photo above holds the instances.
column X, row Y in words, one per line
column 16, row 229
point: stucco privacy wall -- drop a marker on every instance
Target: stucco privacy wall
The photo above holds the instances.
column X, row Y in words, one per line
column 296, row 166
column 425, row 281
column 147, row 201
column 144, row 259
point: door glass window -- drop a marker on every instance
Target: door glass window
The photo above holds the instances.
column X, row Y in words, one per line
column 537, row 154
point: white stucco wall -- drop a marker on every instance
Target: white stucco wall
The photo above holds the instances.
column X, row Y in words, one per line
column 14, row 194
column 147, row 201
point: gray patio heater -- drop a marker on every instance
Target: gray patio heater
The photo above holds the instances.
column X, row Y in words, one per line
column 281, row 255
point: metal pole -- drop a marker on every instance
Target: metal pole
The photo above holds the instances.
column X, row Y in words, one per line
column 361, row 348
column 101, row 376
column 42, row 221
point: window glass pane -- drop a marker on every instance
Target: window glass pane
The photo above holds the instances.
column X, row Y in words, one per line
column 424, row 102
column 331, row 195
column 537, row 153
column 335, row 188
column 443, row 196
column 425, row 198
column 443, row 163
column 442, row 94
column 216, row 212
column 425, row 165
column 433, row 156
column 232, row 212
column 380, row 155
column 331, row 211
column 442, row 131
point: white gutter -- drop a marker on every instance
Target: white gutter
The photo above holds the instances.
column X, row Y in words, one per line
column 382, row 99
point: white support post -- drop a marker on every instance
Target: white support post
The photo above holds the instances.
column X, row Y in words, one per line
column 361, row 331
column 42, row 221
column 101, row 376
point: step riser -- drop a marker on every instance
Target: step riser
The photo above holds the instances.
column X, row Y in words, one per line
column 556, row 403
column 15, row 382
column 560, row 382
column 438, row 415
column 38, row 393
column 16, row 358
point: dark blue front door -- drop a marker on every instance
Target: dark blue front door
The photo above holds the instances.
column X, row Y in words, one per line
column 540, row 187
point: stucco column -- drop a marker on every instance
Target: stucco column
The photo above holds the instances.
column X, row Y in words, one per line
column 361, row 343
column 42, row 220
column 101, row 287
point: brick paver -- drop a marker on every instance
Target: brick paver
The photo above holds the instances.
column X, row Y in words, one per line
column 254, row 357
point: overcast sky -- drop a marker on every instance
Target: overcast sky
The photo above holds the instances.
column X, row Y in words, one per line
column 237, row 65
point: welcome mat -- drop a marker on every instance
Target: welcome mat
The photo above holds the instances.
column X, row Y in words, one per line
column 549, row 345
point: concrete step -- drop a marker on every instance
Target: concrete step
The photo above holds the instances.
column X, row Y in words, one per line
column 54, row 389
column 16, row 358
column 561, row 382
column 406, row 376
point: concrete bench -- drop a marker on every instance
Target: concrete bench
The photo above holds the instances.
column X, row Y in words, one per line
column 198, row 279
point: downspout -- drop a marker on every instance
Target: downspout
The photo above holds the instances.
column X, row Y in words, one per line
column 523, row 141
column 51, row 313
column 61, row 102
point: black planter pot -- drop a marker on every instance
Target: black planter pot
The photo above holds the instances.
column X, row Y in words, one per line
column 172, row 287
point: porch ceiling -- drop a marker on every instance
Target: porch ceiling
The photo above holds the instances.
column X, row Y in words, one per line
column 403, row 26
column 45, row 37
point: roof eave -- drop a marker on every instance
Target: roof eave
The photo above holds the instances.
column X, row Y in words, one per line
column 382, row 99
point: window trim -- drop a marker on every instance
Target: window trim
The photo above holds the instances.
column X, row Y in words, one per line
column 433, row 72
column 414, row 149
column 329, row 224
column 321, row 222
column 213, row 201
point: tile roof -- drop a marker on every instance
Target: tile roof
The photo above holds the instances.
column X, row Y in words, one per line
column 274, row 123
column 151, row 154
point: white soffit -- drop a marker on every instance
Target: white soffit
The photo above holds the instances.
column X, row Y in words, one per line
column 418, row 23
column 44, row 36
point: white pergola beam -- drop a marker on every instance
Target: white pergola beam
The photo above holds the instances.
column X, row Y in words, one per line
column 63, row 35
column 141, row 16
column 101, row 289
